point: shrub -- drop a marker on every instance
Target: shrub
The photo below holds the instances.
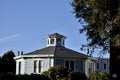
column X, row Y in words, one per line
column 77, row 75
column 93, row 76
column 56, row 73
column 23, row 77
column 7, row 76
column 99, row 76
column 103, row 76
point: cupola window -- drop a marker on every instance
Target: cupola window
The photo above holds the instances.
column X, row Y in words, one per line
column 52, row 41
column 59, row 42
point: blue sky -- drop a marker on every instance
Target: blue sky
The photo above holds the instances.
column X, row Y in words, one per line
column 24, row 24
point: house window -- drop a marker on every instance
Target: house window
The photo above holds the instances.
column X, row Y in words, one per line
column 63, row 42
column 69, row 65
column 104, row 66
column 19, row 68
column 97, row 65
column 72, row 65
column 59, row 42
column 90, row 68
column 35, row 66
column 52, row 41
column 48, row 41
column 39, row 66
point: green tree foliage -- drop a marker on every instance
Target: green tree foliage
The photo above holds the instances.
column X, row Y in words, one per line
column 7, row 63
column 103, row 19
column 99, row 76
column 102, row 27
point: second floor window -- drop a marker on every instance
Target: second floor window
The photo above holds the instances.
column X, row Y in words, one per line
column 52, row 41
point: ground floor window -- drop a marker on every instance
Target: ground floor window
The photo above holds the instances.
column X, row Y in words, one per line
column 69, row 65
column 97, row 65
column 19, row 69
column 37, row 66
column 104, row 66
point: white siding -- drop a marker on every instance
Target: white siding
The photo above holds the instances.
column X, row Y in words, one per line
column 101, row 62
column 89, row 67
column 47, row 63
column 29, row 66
column 22, row 71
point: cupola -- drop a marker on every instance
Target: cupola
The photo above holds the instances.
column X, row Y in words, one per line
column 55, row 40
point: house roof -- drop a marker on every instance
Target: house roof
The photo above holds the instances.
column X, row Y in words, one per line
column 56, row 35
column 58, row 51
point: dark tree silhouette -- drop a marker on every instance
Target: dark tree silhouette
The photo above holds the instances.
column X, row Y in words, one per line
column 8, row 63
column 102, row 27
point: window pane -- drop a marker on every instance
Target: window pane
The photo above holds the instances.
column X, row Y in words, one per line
column 19, row 68
column 72, row 65
column 35, row 66
column 52, row 41
column 104, row 66
column 48, row 41
column 97, row 65
column 39, row 66
column 67, row 64
column 59, row 42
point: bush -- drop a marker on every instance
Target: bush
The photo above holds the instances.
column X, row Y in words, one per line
column 23, row 77
column 99, row 76
column 103, row 76
column 56, row 73
column 93, row 76
column 77, row 75
column 9, row 76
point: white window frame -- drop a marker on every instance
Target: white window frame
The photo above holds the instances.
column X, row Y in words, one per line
column 38, row 67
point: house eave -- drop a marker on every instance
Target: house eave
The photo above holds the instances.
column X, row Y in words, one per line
column 92, row 58
column 32, row 56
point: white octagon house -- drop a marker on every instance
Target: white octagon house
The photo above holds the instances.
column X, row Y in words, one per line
column 55, row 54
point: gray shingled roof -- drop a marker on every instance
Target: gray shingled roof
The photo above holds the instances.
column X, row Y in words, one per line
column 65, row 52
column 58, row 51
column 56, row 35
column 47, row 50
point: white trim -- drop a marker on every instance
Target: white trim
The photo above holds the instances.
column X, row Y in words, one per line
column 37, row 56
column 37, row 64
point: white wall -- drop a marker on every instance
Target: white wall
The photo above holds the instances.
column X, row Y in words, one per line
column 101, row 62
column 27, row 65
column 22, row 66
column 89, row 64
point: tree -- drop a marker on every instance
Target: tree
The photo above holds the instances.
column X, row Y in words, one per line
column 8, row 62
column 102, row 27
